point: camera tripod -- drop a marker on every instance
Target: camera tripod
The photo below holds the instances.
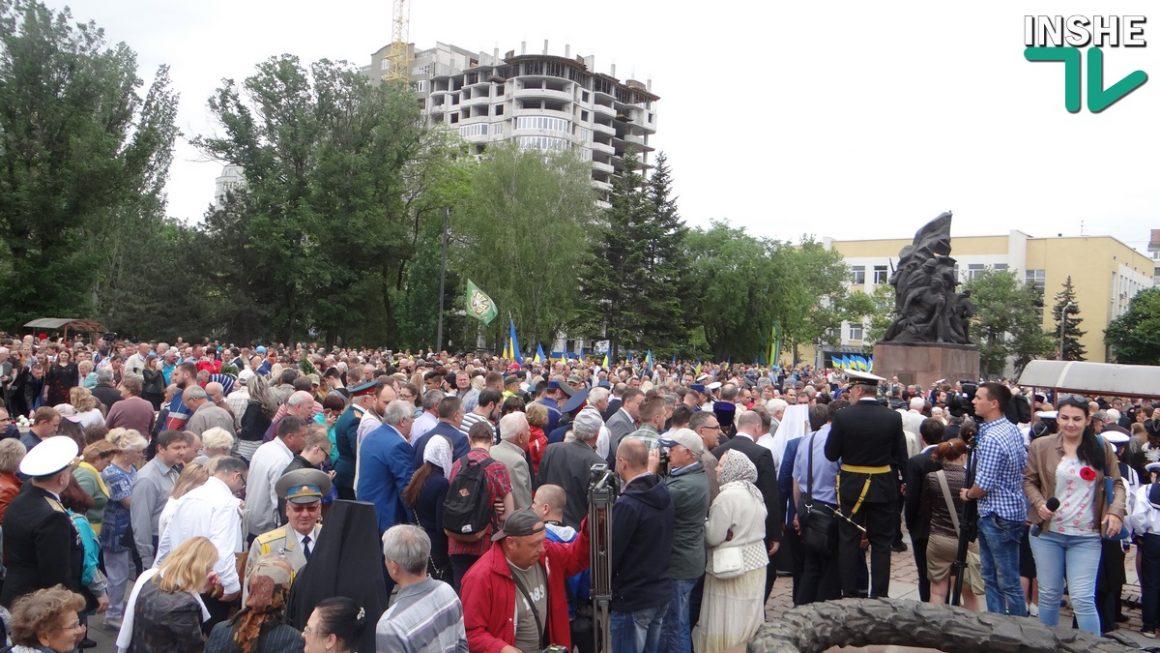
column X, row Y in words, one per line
column 601, row 496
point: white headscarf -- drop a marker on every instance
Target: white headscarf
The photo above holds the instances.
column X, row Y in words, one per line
column 438, row 453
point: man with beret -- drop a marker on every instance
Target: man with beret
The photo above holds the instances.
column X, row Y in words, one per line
column 522, row 575
column 302, row 490
column 41, row 547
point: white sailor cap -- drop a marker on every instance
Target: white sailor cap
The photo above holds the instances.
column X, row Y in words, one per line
column 863, row 378
column 49, row 457
column 1116, row 438
column 713, row 386
column 1153, row 467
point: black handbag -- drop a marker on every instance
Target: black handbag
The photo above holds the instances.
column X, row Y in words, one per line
column 819, row 527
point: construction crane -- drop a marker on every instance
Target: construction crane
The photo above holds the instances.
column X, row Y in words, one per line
column 399, row 52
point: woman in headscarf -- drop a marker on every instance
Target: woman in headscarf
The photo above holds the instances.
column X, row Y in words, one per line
column 424, row 495
column 261, row 625
column 732, row 609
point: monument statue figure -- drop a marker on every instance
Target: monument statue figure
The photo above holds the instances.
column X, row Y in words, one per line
column 927, row 306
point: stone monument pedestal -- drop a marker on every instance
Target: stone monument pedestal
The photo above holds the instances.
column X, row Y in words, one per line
column 924, row 363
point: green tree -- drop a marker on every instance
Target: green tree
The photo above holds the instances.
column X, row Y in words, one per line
column 320, row 237
column 734, row 290
column 1006, row 326
column 521, row 236
column 1065, row 304
column 876, row 307
column 811, row 296
column 666, row 268
column 83, row 158
column 1134, row 337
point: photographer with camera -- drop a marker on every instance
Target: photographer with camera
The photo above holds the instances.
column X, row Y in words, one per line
column 689, row 490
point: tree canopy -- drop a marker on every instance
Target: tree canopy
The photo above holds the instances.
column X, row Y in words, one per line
column 1006, row 324
column 1135, row 336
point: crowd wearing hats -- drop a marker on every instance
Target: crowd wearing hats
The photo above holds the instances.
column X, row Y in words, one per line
column 247, row 492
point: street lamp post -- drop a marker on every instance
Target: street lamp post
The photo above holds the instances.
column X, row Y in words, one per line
column 1062, row 326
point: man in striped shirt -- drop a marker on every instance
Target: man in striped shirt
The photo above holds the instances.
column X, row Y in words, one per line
column 485, row 411
column 426, row 614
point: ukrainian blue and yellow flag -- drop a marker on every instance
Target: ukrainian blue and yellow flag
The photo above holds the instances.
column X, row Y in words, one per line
column 604, row 363
column 514, row 343
column 539, row 357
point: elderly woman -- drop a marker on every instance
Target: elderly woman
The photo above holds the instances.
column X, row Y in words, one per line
column 217, row 442
column 11, row 453
column 335, row 626
column 47, row 621
column 165, row 611
column 87, row 375
column 731, row 608
column 116, row 536
column 261, row 625
column 95, row 459
column 425, row 495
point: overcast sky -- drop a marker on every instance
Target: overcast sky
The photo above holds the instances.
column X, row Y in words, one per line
column 843, row 119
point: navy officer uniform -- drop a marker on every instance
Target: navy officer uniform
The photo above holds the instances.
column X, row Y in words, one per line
column 868, row 440
column 41, row 547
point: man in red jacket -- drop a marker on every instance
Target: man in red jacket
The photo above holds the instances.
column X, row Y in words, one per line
column 514, row 595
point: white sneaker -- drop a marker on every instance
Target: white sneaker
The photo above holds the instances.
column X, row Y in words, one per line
column 1033, row 609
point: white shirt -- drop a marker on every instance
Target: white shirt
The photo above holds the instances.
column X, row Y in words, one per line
column 1143, row 518
column 422, row 425
column 211, row 511
column 269, row 461
column 135, row 365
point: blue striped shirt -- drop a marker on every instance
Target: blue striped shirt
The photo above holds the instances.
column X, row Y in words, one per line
column 825, row 471
column 425, row 618
column 1000, row 459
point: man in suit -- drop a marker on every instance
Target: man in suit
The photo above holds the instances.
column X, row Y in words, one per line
column 615, row 402
column 867, row 438
column 41, row 547
column 302, row 491
column 624, row 421
column 749, row 428
column 569, row 465
column 512, row 452
column 450, row 419
column 917, row 467
column 385, row 465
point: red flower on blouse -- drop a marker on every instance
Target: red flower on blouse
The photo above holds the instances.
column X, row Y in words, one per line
column 1087, row 473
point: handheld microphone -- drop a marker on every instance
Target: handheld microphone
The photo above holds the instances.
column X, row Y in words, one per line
column 1052, row 505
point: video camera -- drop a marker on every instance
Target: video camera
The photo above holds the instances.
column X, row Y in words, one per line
column 959, row 403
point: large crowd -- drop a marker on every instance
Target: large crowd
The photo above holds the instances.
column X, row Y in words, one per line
column 206, row 497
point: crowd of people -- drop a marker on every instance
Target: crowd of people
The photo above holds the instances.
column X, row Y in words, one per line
column 219, row 498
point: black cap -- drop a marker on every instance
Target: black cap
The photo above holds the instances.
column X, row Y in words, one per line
column 518, row 524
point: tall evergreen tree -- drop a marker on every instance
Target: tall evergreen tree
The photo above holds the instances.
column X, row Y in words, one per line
column 667, row 268
column 614, row 282
column 1072, row 349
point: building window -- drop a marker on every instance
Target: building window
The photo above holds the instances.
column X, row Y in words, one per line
column 999, row 267
column 544, row 123
column 478, row 129
column 498, row 110
column 974, row 270
column 583, row 96
column 879, row 274
column 542, row 143
column 1037, row 278
column 859, row 275
column 855, row 332
column 584, row 116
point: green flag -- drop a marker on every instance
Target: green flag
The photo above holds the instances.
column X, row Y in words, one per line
column 479, row 305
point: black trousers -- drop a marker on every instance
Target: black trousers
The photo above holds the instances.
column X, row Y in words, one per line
column 460, row 563
column 880, row 521
column 919, row 546
column 1149, row 549
column 819, row 580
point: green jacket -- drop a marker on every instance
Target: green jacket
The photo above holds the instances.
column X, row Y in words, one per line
column 689, row 490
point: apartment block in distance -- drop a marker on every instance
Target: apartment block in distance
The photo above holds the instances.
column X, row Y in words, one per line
column 1105, row 272
column 540, row 101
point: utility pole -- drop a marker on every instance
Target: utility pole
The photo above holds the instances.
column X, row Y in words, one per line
column 442, row 279
column 1063, row 326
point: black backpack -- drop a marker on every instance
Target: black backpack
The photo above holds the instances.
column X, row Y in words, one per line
column 467, row 509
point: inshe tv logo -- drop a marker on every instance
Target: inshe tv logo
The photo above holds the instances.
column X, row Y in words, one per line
column 1056, row 38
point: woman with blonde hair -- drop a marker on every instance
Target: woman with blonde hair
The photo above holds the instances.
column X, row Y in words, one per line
column 216, row 442
column 194, row 475
column 88, row 408
column 94, row 459
column 165, row 611
column 11, row 453
column 87, row 374
column 47, row 621
column 116, row 536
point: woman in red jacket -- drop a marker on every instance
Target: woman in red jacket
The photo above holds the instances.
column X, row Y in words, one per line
column 514, row 595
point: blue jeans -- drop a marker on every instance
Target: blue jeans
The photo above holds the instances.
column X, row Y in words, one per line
column 999, row 541
column 677, row 637
column 1075, row 558
column 637, row 632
